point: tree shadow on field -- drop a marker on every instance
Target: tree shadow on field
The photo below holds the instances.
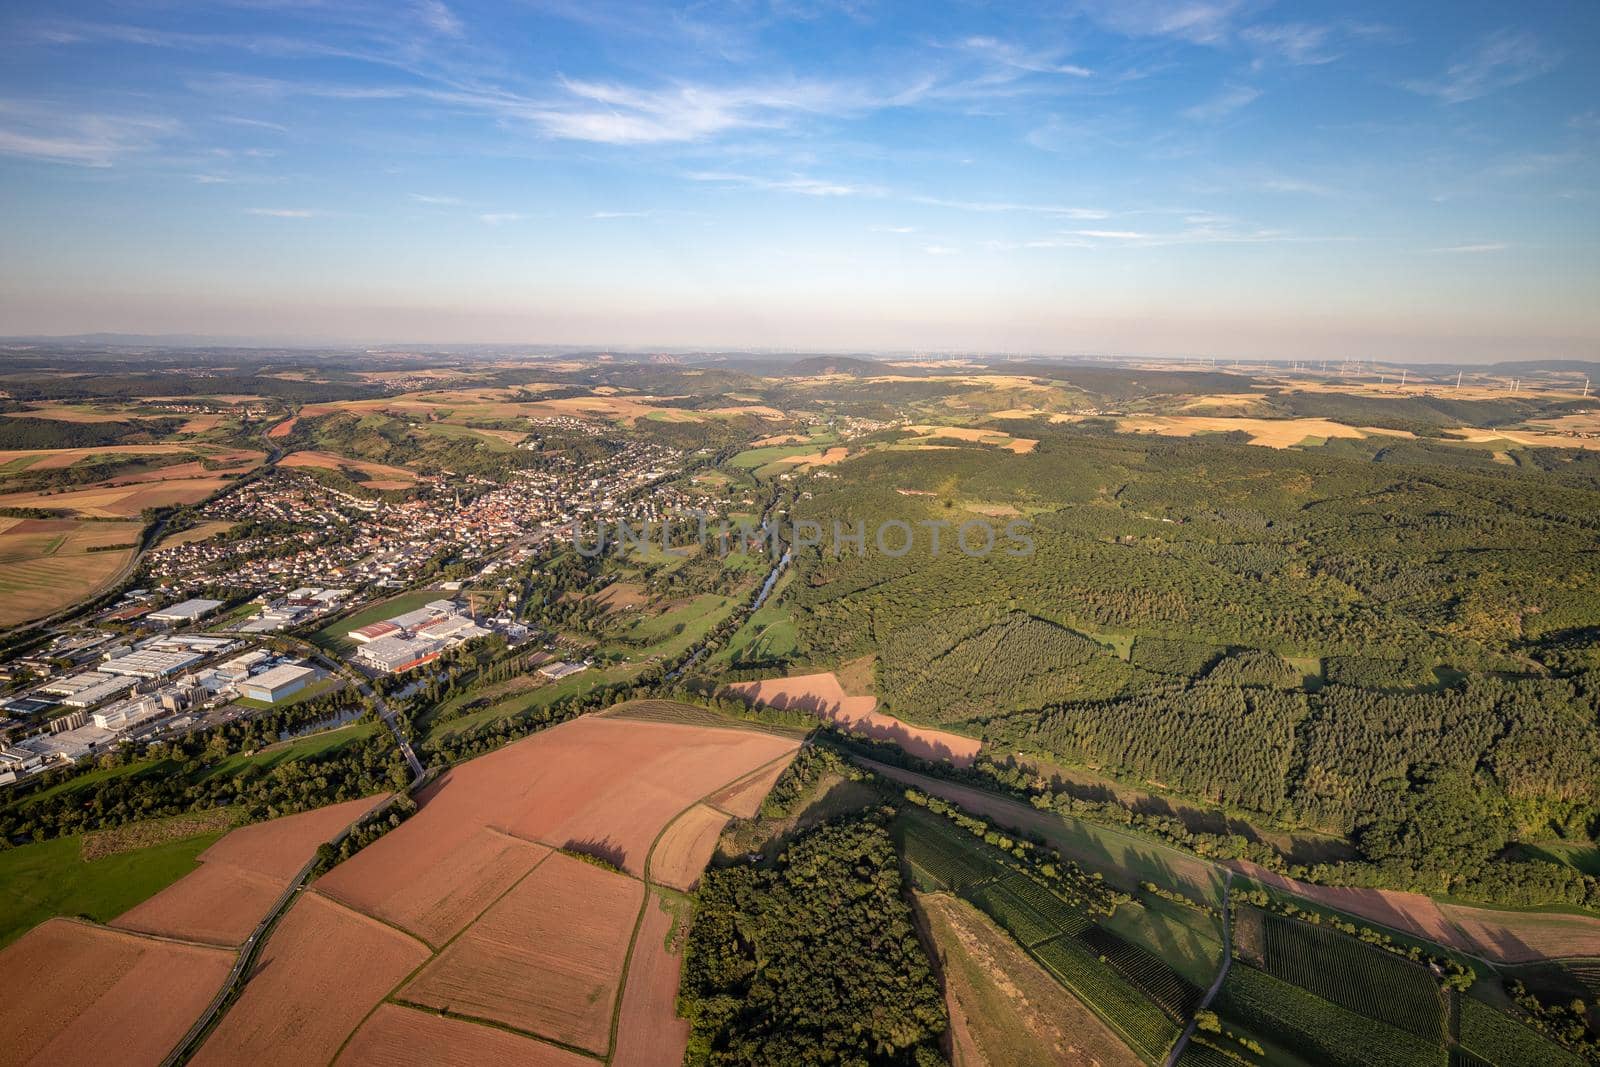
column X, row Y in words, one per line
column 603, row 849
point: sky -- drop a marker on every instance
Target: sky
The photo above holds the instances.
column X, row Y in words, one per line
column 1231, row 178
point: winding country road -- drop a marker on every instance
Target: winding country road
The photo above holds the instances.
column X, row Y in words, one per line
column 1222, row 972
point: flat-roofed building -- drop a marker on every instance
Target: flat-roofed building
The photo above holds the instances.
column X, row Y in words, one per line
column 185, row 611
column 149, row 664
column 273, row 685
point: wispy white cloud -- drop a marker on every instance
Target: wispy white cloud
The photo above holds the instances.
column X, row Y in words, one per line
column 437, row 17
column 1502, row 59
column 998, row 207
column 940, row 250
column 436, row 201
column 620, row 215
column 56, row 135
column 1022, row 60
column 1474, row 249
column 1195, row 21
column 1223, row 104
column 1295, row 43
column 1296, row 185
column 283, row 212
column 500, row 218
column 804, row 186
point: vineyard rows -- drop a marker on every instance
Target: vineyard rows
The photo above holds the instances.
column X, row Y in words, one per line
column 1140, row 1022
column 1368, row 981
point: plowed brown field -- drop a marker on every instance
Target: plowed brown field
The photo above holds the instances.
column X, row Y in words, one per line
column 240, row 876
column 823, row 696
column 649, row 1033
column 432, row 886
column 320, row 973
column 399, row 1037
column 743, row 799
column 546, row 958
column 72, row 992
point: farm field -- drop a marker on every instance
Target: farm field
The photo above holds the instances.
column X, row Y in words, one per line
column 1004, row 1007
column 1498, row 1038
column 1133, row 992
column 50, row 564
column 203, row 532
column 70, row 991
column 396, row 1034
column 372, row 475
column 505, row 927
column 545, row 959
column 434, row 894
column 1523, row 936
column 319, row 974
column 649, row 1032
column 686, row 846
column 51, row 878
column 1320, row 1031
column 240, row 877
column 1272, row 433
column 118, row 501
column 1189, row 941
column 823, row 696
column 1366, row 980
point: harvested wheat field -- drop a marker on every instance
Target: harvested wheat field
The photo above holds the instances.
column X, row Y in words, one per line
column 433, row 887
column 216, row 904
column 607, row 782
column 50, row 564
column 539, row 936
column 649, row 1032
column 976, row 435
column 743, row 798
column 110, row 501
column 280, row 847
column 240, row 877
column 70, row 992
column 317, row 977
column 1013, row 1011
column 372, row 474
column 827, row 458
column 398, row 1037
column 284, row 428
column 545, row 959
column 1272, row 433
column 685, row 847
column 1525, row 936
column 823, row 696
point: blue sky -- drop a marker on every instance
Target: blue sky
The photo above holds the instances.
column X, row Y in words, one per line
column 1208, row 177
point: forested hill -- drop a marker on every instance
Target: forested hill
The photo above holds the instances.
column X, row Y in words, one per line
column 1393, row 644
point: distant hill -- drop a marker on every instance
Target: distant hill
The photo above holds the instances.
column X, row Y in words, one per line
column 1115, row 383
column 816, row 365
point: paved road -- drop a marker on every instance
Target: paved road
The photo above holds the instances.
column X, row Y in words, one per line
column 1222, row 972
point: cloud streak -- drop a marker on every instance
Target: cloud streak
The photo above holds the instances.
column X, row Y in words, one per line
column 1501, row 60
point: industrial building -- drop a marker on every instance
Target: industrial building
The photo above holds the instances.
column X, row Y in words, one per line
column 187, row 611
column 271, row 686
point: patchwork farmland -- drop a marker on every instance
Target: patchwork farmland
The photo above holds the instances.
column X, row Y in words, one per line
column 531, row 895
